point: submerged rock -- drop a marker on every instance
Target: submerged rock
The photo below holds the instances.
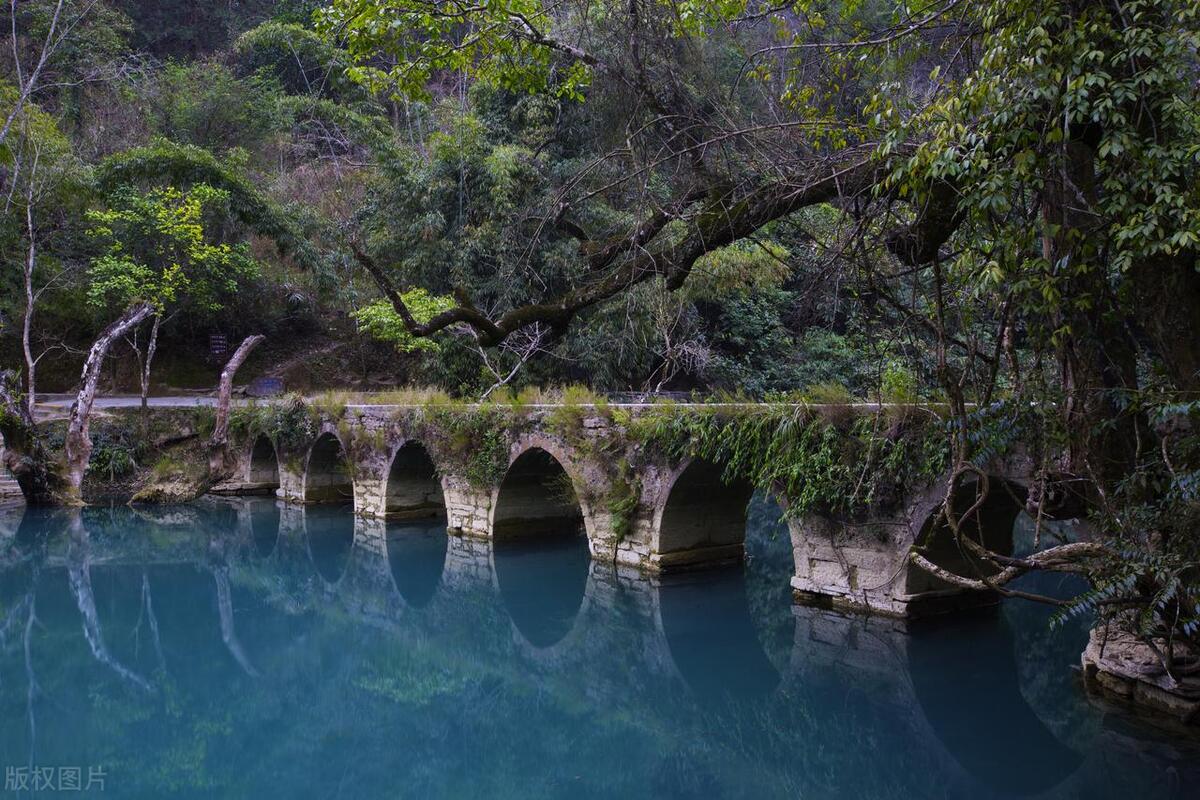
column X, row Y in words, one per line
column 1119, row 665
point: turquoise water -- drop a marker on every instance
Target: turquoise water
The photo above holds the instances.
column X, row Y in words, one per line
column 243, row 650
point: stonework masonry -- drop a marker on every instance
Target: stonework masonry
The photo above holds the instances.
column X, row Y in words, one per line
column 395, row 464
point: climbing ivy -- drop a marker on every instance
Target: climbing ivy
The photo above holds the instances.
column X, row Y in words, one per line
column 291, row 423
column 624, row 492
column 847, row 464
column 475, row 439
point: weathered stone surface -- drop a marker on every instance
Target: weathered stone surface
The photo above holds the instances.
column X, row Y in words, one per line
column 1119, row 666
column 10, row 490
column 392, row 465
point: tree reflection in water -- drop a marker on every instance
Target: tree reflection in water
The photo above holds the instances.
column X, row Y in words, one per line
column 615, row 684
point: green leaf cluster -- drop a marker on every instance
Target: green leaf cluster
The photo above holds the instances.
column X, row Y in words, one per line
column 155, row 249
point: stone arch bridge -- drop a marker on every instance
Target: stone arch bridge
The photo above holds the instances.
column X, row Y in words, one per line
column 548, row 471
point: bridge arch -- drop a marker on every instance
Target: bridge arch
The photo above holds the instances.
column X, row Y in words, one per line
column 542, row 527
column 700, row 519
column 991, row 525
column 539, row 494
column 327, row 474
column 262, row 465
column 413, row 487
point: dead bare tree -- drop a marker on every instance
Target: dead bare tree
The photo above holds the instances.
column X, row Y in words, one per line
column 523, row 347
column 28, row 78
column 78, row 444
column 219, row 464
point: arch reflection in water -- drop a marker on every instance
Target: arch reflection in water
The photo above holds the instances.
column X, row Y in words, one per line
column 542, row 582
column 329, row 531
column 386, row 695
column 416, row 553
column 264, row 526
column 540, row 550
column 982, row 705
column 710, row 632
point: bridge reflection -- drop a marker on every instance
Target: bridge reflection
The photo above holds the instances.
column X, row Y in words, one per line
column 416, row 554
column 981, row 705
column 689, row 652
column 264, row 525
column 542, row 584
column 329, row 534
column 712, row 640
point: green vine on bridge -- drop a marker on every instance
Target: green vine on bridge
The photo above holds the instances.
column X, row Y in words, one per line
column 291, row 424
column 476, row 440
column 841, row 462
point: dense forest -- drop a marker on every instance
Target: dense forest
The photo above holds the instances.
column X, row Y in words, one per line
column 240, row 120
column 991, row 207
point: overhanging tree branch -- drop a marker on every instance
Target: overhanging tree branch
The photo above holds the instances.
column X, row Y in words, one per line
column 723, row 219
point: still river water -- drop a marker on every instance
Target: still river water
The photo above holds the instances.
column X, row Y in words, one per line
column 237, row 649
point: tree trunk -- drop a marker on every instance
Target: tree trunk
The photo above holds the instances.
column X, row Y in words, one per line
column 1096, row 354
column 27, row 324
column 219, row 462
column 150, row 348
column 1167, row 309
column 78, row 444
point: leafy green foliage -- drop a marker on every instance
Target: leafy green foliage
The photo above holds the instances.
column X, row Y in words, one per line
column 898, row 385
column 187, row 165
column 182, row 29
column 473, row 438
column 430, row 38
column 988, row 136
column 301, row 61
column 155, row 249
column 204, row 104
column 848, row 466
column 291, row 424
column 111, row 458
column 381, row 321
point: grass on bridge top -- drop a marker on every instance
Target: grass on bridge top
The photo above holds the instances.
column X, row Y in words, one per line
column 827, row 394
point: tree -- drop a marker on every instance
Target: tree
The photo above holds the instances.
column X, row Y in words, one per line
column 155, row 250
column 1023, row 171
column 43, row 172
column 37, row 31
column 219, row 463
